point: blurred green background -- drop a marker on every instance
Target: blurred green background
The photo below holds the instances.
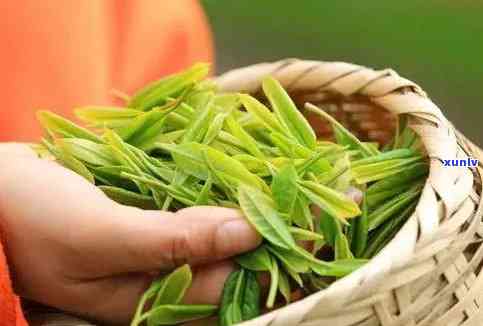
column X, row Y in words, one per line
column 438, row 44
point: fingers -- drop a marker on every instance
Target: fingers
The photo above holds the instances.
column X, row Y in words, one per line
column 17, row 149
column 208, row 283
column 114, row 300
column 152, row 240
column 355, row 194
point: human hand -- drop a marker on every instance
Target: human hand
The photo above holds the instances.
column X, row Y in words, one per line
column 71, row 247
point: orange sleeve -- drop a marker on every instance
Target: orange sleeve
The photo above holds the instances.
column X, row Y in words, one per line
column 60, row 54
column 10, row 309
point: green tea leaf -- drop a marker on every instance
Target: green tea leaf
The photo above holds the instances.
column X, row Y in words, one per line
column 299, row 256
column 288, row 114
column 123, row 153
column 185, row 110
column 314, row 163
column 290, row 259
column 305, row 235
column 407, row 138
column 106, row 116
column 258, row 260
column 342, row 177
column 240, row 298
column 272, row 292
column 250, row 305
column 201, row 94
column 248, row 142
column 346, row 138
column 184, row 189
column 319, row 244
column 174, row 287
column 284, row 188
column 387, row 156
column 342, row 249
column 228, row 102
column 228, row 139
column 295, row 276
column 342, row 138
column 178, row 314
column 253, row 164
column 377, row 171
column 360, row 230
column 226, row 148
column 179, row 189
column 56, row 124
column 41, row 150
column 330, row 227
column 169, row 137
column 148, row 294
column 302, row 215
column 149, row 182
column 230, row 313
column 262, row 113
column 129, row 198
column 400, row 126
column 284, row 145
column 214, row 128
column 350, row 139
column 332, row 201
column 111, row 176
column 158, row 92
column 376, row 199
column 176, row 121
column 259, row 209
column 393, row 206
column 338, row 268
column 196, row 130
column 294, row 150
column 155, row 167
column 222, row 182
column 144, row 130
column 189, row 158
column 318, row 283
column 386, row 232
column 89, row 152
column 70, row 162
column 202, row 198
column 284, row 286
column 411, row 173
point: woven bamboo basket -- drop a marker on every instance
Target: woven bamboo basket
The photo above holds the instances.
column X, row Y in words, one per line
column 430, row 273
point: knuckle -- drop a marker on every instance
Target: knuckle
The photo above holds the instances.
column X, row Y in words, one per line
column 180, row 249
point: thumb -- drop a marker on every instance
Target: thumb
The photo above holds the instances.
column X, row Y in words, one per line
column 153, row 240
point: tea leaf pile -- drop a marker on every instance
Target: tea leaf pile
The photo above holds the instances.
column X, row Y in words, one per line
column 322, row 207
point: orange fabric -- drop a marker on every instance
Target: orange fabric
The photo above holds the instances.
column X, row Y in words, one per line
column 59, row 54
column 10, row 310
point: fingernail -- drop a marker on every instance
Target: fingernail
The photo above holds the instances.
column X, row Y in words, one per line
column 236, row 236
